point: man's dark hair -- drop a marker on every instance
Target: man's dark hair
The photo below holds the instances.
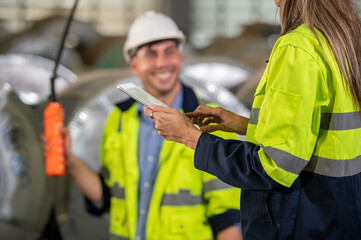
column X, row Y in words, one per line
column 134, row 51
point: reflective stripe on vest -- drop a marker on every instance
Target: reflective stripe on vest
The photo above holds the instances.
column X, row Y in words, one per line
column 329, row 121
column 105, row 173
column 254, row 116
column 340, row 121
column 333, row 167
column 324, row 166
column 117, row 191
column 213, row 185
column 182, row 198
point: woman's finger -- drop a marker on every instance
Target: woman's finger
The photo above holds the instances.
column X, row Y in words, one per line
column 197, row 114
column 211, row 128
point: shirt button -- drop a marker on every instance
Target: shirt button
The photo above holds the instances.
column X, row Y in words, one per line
column 142, row 211
column 146, row 184
column 150, row 158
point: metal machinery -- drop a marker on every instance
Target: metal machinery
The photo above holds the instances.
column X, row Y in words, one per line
column 41, row 38
column 222, row 71
column 26, row 193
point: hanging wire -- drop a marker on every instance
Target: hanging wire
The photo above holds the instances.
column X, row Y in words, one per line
column 60, row 50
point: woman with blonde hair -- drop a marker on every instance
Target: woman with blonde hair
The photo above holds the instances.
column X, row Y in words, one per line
column 300, row 167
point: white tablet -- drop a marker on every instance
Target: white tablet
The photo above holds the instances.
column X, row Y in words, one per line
column 140, row 95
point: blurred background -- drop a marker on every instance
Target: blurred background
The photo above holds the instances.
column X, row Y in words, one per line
column 228, row 44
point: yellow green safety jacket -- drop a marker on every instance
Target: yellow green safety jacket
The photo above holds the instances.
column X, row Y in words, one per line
column 186, row 203
column 299, row 169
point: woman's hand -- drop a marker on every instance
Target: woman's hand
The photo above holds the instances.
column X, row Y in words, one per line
column 172, row 125
column 220, row 118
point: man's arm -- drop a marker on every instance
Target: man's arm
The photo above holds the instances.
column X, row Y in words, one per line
column 88, row 181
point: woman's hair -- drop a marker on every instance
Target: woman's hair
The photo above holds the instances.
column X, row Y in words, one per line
column 340, row 22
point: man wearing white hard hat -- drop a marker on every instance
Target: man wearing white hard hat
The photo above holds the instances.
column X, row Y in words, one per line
column 150, row 186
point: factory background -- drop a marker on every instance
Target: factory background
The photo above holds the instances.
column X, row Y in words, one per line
column 228, row 44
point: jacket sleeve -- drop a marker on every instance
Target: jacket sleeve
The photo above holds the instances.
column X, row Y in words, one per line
column 234, row 162
column 222, row 200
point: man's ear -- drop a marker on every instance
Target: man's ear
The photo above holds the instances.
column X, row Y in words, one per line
column 134, row 65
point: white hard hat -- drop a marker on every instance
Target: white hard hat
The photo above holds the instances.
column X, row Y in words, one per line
column 150, row 27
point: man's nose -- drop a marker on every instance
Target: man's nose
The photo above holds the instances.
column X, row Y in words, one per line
column 161, row 60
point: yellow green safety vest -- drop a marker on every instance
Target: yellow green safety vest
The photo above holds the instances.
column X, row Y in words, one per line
column 303, row 115
column 183, row 197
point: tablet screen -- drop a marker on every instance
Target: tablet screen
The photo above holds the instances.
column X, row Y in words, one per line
column 140, row 95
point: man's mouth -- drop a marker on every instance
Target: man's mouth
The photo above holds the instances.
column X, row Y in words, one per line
column 163, row 76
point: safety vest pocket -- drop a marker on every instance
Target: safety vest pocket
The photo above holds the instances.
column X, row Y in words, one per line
column 118, row 218
column 112, row 148
column 188, row 223
column 276, row 117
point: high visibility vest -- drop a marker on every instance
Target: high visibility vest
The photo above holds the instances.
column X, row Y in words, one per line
column 309, row 132
column 183, row 197
column 303, row 114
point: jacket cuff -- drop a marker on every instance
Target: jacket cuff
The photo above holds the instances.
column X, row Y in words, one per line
column 224, row 220
column 99, row 209
column 202, row 151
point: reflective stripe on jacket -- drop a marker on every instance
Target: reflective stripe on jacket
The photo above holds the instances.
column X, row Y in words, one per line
column 183, row 198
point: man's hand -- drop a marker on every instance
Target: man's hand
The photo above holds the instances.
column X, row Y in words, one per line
column 88, row 181
column 172, row 125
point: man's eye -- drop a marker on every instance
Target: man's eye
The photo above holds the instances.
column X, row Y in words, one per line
column 151, row 54
column 169, row 52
